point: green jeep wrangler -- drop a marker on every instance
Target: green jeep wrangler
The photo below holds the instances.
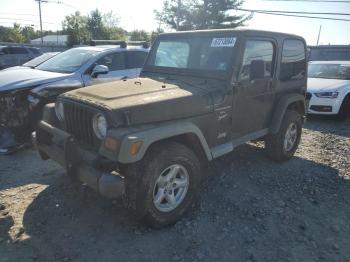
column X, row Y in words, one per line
column 200, row 95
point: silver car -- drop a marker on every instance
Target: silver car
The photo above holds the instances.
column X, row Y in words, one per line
column 23, row 92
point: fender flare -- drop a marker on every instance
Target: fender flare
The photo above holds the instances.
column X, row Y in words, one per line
column 152, row 135
column 281, row 109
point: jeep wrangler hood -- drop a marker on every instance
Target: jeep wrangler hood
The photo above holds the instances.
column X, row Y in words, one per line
column 147, row 100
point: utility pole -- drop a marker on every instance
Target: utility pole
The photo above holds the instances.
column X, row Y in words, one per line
column 41, row 22
column 319, row 34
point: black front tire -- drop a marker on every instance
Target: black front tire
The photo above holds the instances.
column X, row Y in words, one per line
column 142, row 176
column 344, row 111
column 274, row 143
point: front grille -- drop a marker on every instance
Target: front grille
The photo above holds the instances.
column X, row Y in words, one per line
column 78, row 122
column 308, row 96
column 321, row 108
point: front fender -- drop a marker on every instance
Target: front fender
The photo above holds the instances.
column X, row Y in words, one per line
column 152, row 135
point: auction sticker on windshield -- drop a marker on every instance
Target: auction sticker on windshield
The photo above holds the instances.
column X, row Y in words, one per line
column 223, row 42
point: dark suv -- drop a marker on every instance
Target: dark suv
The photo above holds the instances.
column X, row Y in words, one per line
column 17, row 55
column 200, row 95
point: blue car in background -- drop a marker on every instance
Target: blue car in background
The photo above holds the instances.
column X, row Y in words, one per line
column 24, row 92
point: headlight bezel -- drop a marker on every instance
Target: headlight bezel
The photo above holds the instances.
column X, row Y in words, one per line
column 59, row 109
column 327, row 94
column 100, row 125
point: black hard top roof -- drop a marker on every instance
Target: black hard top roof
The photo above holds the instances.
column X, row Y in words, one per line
column 236, row 31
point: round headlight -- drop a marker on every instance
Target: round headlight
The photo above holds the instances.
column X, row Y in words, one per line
column 99, row 124
column 59, row 110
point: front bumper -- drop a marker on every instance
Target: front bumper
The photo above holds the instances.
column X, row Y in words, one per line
column 60, row 146
column 323, row 106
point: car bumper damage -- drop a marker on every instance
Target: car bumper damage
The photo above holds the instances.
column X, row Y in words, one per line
column 79, row 163
column 14, row 120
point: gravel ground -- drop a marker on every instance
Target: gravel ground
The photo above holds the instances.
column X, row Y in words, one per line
column 250, row 209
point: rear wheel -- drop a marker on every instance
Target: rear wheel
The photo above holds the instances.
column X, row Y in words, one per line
column 166, row 182
column 282, row 146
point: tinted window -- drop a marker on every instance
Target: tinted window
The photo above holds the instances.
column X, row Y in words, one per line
column 135, row 59
column 35, row 51
column 257, row 51
column 5, row 50
column 18, row 50
column 114, row 61
column 293, row 65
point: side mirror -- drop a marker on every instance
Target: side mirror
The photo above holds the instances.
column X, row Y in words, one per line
column 257, row 69
column 99, row 70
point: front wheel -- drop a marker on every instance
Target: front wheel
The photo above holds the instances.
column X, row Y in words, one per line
column 167, row 182
column 282, row 146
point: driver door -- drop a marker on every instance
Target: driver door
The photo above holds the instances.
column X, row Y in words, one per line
column 116, row 65
column 255, row 97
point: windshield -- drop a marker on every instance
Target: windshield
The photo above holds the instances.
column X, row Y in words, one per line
column 39, row 60
column 193, row 52
column 330, row 71
column 68, row 61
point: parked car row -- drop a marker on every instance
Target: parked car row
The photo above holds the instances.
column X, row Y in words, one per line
column 24, row 91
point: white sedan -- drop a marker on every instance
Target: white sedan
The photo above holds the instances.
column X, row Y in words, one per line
column 328, row 88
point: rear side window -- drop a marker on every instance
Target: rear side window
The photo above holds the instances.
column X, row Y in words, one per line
column 135, row 59
column 18, row 50
column 257, row 50
column 115, row 61
column 293, row 65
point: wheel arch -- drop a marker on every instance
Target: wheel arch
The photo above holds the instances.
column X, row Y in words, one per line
column 185, row 133
column 294, row 102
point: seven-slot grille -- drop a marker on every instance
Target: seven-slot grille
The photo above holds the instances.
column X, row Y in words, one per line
column 78, row 122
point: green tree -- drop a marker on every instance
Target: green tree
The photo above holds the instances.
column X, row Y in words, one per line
column 139, row 35
column 29, row 33
column 96, row 26
column 112, row 30
column 76, row 27
column 177, row 14
column 15, row 35
column 201, row 14
column 4, row 33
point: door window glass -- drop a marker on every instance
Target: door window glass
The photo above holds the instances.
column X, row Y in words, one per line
column 135, row 59
column 114, row 61
column 257, row 50
column 293, row 66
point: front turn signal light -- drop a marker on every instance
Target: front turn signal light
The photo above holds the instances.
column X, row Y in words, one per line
column 135, row 147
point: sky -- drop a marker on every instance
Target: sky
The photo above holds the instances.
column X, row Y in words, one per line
column 139, row 14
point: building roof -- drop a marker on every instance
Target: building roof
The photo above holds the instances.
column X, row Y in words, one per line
column 52, row 38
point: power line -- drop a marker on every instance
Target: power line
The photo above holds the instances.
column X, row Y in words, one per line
column 315, row 1
column 297, row 12
column 282, row 14
column 1, row 13
column 25, row 20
